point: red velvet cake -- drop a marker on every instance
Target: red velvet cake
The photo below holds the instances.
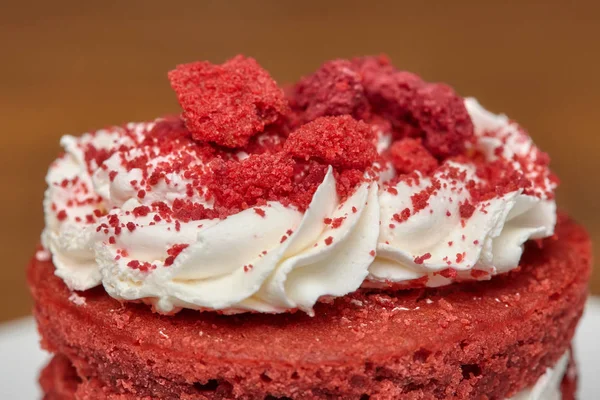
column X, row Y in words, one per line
column 363, row 235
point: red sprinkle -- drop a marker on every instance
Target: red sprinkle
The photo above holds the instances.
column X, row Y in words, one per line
column 403, row 216
column 466, row 210
column 420, row 200
column 421, row 259
column 62, row 215
column 142, row 266
column 329, row 240
column 173, row 252
column 260, row 212
column 449, row 273
column 337, row 222
column 141, row 211
column 477, row 273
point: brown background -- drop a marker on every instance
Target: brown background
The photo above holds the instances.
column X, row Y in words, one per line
column 68, row 67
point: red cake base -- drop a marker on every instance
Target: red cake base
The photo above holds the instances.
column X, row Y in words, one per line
column 59, row 381
column 483, row 340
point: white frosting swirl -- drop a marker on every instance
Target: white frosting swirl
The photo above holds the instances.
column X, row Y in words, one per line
column 275, row 258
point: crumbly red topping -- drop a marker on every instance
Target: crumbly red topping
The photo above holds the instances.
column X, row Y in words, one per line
column 241, row 143
column 259, row 178
column 334, row 89
column 408, row 155
column 227, row 104
column 339, row 141
column 416, row 108
column 173, row 252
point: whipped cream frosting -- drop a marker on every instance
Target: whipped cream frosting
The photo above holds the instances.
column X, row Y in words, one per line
column 275, row 258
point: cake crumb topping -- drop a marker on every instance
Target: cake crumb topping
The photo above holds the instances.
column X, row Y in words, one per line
column 227, row 104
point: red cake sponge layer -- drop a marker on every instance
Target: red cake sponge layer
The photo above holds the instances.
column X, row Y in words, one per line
column 60, row 382
column 465, row 341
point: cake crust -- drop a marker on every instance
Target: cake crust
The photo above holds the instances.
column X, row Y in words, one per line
column 465, row 341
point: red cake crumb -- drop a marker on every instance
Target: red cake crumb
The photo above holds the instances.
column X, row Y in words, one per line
column 444, row 119
column 141, row 266
column 185, row 211
column 420, row 200
column 167, row 132
column 334, row 89
column 449, row 273
column 339, row 141
column 61, row 215
column 93, row 155
column 417, row 108
column 173, row 252
column 227, row 104
column 477, row 273
column 141, row 211
column 421, row 259
column 402, row 216
column 237, row 185
column 466, row 210
column 337, row 222
column 409, row 155
column 347, row 181
column 497, row 178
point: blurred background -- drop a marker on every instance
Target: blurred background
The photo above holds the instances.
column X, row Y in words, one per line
column 74, row 66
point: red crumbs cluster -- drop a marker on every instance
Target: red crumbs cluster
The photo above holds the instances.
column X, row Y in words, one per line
column 409, row 155
column 227, row 104
column 335, row 89
column 257, row 145
column 259, row 178
column 338, row 141
column 417, row 108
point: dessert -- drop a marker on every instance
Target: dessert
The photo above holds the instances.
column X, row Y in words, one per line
column 363, row 234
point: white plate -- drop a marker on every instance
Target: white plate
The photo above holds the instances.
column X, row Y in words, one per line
column 21, row 359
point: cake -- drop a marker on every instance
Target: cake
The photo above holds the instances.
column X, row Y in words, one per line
column 361, row 234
